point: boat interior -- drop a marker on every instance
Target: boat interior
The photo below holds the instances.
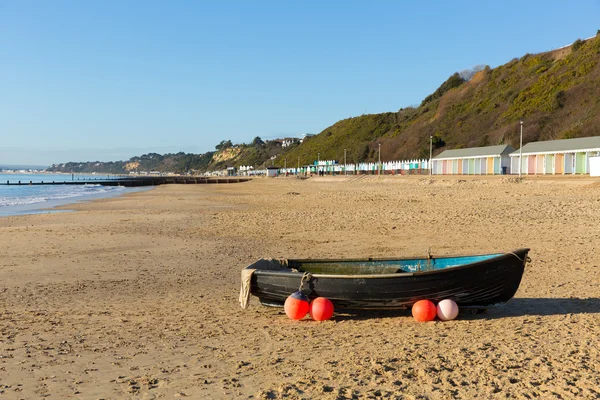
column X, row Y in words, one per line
column 369, row 267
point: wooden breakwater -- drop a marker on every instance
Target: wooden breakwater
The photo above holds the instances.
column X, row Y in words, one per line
column 135, row 181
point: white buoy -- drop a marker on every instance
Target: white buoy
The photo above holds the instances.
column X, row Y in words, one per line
column 447, row 310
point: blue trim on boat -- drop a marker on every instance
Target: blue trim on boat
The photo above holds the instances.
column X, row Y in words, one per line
column 442, row 263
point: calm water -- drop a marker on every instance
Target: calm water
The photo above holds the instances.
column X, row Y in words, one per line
column 25, row 199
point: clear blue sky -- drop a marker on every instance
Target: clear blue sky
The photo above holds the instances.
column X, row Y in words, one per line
column 107, row 80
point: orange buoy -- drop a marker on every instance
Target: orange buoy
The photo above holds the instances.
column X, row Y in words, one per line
column 321, row 309
column 424, row 310
column 296, row 306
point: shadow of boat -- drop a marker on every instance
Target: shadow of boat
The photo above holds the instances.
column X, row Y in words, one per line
column 516, row 307
column 519, row 307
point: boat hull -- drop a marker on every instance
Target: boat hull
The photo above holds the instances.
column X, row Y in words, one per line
column 477, row 285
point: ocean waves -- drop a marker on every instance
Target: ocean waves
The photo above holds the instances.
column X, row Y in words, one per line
column 25, row 194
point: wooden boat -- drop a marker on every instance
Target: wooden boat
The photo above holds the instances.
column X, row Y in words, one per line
column 476, row 281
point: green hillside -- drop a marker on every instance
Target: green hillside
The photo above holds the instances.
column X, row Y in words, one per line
column 556, row 94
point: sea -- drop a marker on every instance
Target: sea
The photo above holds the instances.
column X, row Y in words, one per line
column 34, row 199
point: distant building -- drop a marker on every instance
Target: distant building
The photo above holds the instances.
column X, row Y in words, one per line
column 553, row 157
column 490, row 160
column 289, row 141
column 306, row 136
column 246, row 170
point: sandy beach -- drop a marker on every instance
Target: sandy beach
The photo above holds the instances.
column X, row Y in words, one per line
column 136, row 296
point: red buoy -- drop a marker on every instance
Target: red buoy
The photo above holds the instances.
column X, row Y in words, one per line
column 296, row 306
column 321, row 309
column 424, row 310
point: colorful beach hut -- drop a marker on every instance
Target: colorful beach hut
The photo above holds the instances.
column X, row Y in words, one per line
column 556, row 157
column 272, row 171
column 490, row 160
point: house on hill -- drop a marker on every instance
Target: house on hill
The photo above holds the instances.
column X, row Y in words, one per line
column 490, row 160
column 289, row 141
column 566, row 156
column 306, row 136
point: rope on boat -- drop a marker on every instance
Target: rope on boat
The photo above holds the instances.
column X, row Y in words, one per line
column 524, row 261
column 306, row 277
column 429, row 258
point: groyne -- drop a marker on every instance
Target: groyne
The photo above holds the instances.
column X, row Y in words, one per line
column 135, row 181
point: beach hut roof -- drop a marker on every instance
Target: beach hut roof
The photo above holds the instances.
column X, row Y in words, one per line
column 475, row 152
column 561, row 146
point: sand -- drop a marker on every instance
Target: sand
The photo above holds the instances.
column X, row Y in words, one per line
column 136, row 296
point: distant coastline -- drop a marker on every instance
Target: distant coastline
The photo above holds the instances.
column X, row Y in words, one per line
column 23, row 167
column 44, row 172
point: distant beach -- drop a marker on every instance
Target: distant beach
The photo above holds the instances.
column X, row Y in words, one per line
column 137, row 295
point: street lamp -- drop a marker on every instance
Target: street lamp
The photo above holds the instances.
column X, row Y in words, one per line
column 318, row 162
column 521, row 151
column 430, row 154
column 345, row 165
column 379, row 161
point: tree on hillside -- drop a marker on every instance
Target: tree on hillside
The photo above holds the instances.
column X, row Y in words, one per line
column 257, row 142
column 577, row 44
column 437, row 141
column 363, row 153
column 454, row 81
column 225, row 144
column 467, row 74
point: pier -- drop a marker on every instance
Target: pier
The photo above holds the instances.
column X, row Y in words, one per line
column 135, row 181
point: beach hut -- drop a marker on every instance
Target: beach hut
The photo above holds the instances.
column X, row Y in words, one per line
column 490, row 160
column 272, row 171
column 556, row 157
column 594, row 166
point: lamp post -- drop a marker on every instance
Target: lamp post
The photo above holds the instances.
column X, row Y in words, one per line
column 298, row 169
column 521, row 151
column 318, row 162
column 430, row 154
column 345, row 165
column 285, row 165
column 379, row 161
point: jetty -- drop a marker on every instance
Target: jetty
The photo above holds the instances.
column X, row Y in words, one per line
column 135, row 181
